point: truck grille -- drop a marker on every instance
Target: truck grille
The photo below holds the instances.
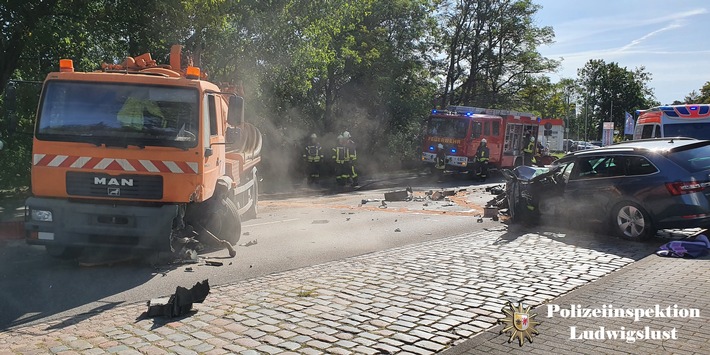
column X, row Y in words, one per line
column 120, row 186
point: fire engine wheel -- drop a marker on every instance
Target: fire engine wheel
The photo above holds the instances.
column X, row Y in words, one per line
column 63, row 252
column 223, row 221
column 631, row 222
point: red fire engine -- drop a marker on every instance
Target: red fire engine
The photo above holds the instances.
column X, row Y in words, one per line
column 460, row 130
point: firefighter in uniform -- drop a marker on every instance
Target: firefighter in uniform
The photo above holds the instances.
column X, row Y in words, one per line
column 440, row 161
column 340, row 157
column 351, row 152
column 483, row 155
column 313, row 156
column 528, row 149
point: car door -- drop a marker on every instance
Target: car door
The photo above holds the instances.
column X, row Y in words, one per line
column 592, row 185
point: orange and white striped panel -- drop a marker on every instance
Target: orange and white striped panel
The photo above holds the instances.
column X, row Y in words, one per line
column 112, row 164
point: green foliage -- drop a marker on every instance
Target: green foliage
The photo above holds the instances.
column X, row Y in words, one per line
column 372, row 67
column 491, row 53
column 607, row 91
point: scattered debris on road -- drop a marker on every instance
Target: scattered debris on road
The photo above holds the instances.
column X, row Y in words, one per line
column 402, row 195
column 179, row 303
column 249, row 243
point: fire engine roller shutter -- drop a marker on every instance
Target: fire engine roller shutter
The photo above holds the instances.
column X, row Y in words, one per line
column 118, row 186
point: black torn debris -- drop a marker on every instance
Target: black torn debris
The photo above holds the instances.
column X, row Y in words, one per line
column 179, row 303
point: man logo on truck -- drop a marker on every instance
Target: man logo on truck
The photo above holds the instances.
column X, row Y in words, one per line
column 112, row 181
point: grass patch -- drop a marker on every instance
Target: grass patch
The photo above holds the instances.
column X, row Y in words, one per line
column 306, row 293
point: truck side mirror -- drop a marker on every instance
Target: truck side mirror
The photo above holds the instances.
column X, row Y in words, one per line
column 235, row 115
column 11, row 106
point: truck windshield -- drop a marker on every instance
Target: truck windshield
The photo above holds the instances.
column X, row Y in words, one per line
column 447, row 127
column 119, row 114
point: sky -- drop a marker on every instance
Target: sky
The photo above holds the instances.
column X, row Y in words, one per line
column 669, row 38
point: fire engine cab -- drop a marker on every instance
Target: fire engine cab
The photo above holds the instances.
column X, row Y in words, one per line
column 460, row 129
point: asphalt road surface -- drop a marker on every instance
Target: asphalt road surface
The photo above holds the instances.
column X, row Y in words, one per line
column 295, row 228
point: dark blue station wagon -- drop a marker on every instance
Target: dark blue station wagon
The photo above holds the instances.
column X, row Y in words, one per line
column 637, row 187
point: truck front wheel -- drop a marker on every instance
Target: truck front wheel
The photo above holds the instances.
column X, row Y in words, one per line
column 223, row 220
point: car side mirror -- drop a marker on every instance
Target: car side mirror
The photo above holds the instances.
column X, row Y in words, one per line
column 208, row 152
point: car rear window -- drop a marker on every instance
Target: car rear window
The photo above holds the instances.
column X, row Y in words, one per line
column 693, row 160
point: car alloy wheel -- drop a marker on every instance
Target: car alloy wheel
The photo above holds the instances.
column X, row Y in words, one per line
column 632, row 222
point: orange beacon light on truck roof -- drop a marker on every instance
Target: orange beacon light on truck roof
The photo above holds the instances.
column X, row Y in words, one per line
column 66, row 65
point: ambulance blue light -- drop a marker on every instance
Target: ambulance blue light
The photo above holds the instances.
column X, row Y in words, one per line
column 453, row 150
column 693, row 108
column 431, row 147
column 434, row 111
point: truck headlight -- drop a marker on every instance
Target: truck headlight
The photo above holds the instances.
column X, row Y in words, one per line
column 41, row 215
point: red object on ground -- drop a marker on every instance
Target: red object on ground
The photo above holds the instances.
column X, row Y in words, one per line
column 12, row 230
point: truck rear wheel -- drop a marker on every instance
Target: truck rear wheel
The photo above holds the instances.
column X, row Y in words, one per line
column 252, row 212
column 223, row 221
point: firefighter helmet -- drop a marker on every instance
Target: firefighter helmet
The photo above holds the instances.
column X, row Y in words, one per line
column 484, row 141
column 314, row 136
column 440, row 146
column 346, row 134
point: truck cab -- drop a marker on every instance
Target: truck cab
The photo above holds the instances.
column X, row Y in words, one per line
column 139, row 155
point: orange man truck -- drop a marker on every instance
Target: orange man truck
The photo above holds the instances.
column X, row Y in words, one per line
column 139, row 155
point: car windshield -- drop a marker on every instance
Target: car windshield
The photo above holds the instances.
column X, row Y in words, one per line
column 447, row 127
column 693, row 160
column 119, row 114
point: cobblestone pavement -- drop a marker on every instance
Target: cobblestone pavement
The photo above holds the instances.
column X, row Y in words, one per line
column 419, row 299
column 676, row 286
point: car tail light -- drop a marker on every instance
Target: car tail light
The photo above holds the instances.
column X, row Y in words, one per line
column 687, row 187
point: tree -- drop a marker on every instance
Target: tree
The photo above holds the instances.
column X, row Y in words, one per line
column 607, row 91
column 492, row 51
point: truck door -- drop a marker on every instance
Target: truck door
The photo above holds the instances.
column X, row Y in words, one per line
column 213, row 164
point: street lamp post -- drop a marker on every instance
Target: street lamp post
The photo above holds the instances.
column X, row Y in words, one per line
column 565, row 135
column 586, row 115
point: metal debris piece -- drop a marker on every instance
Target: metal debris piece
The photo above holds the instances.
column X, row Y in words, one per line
column 205, row 233
column 397, row 230
column 180, row 302
column 249, row 243
column 402, row 195
column 213, row 263
column 448, row 192
column 490, row 212
column 370, row 200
